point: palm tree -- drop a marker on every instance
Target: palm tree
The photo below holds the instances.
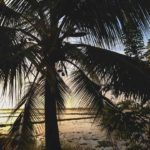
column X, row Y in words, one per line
column 40, row 38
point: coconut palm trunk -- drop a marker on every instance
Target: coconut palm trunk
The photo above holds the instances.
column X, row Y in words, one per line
column 51, row 127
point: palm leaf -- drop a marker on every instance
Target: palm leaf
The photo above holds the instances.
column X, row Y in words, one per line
column 8, row 16
column 12, row 61
column 116, row 72
column 105, row 19
column 86, row 90
column 124, row 74
column 62, row 90
column 89, row 94
column 23, row 131
column 102, row 21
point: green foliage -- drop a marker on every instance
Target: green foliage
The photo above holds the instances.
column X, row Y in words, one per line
column 129, row 122
column 134, row 146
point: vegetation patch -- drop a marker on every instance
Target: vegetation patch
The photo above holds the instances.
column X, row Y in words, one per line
column 134, row 146
column 104, row 144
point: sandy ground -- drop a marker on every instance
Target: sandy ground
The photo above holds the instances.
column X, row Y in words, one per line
column 85, row 134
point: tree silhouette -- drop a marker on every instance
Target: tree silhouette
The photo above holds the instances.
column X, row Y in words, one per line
column 133, row 41
column 35, row 47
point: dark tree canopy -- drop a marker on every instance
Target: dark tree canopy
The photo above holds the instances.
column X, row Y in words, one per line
column 133, row 41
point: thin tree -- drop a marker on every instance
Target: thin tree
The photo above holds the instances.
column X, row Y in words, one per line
column 133, row 41
column 34, row 40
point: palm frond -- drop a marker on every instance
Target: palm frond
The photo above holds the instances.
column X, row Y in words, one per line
column 12, row 60
column 105, row 19
column 22, row 6
column 123, row 74
column 22, row 16
column 62, row 90
column 116, row 72
column 18, row 58
column 23, row 131
column 88, row 92
column 102, row 21
column 8, row 16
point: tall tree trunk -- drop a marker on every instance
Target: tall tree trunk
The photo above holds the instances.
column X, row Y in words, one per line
column 52, row 141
